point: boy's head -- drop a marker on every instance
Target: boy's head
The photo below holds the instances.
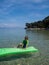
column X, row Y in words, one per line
column 26, row 37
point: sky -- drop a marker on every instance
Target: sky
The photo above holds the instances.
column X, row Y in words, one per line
column 15, row 13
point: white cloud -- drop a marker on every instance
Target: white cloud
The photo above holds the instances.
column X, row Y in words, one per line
column 9, row 5
column 45, row 6
column 33, row 1
column 37, row 1
column 10, row 25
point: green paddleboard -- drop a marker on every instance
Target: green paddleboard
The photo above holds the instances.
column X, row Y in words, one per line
column 8, row 51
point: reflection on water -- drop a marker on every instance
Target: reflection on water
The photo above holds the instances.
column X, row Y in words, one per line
column 38, row 39
column 15, row 56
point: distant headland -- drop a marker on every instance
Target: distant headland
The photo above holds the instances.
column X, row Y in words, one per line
column 39, row 25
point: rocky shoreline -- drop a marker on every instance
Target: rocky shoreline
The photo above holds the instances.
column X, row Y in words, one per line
column 35, row 28
column 39, row 25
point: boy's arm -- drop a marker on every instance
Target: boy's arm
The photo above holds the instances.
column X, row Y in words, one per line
column 27, row 43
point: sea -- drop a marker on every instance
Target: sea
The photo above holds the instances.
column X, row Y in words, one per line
column 11, row 37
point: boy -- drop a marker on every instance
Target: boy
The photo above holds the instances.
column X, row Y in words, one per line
column 25, row 42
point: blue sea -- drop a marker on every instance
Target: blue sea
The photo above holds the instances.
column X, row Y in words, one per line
column 11, row 37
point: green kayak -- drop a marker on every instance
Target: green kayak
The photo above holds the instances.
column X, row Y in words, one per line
column 8, row 51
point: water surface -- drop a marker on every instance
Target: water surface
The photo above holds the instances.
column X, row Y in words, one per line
column 11, row 37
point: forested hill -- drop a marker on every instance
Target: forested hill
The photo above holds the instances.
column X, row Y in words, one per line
column 39, row 24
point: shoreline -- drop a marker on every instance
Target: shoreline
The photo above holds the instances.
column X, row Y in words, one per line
column 36, row 29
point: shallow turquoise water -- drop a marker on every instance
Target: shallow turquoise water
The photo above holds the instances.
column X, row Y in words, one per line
column 11, row 37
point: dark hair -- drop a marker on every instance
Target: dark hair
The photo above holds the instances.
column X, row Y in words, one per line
column 26, row 37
